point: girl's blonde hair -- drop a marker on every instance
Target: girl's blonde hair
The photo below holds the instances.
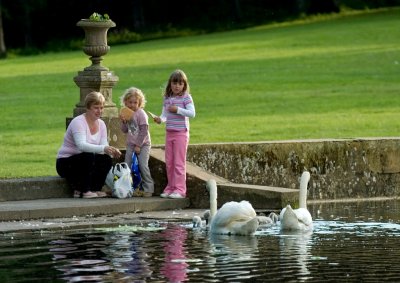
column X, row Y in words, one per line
column 177, row 76
column 133, row 91
column 94, row 98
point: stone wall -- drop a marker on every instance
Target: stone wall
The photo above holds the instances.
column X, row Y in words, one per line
column 345, row 168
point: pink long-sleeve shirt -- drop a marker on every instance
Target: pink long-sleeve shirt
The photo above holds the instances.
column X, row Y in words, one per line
column 179, row 121
column 78, row 139
column 137, row 129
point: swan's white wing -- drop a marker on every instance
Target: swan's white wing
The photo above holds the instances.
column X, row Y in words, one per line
column 239, row 211
column 235, row 218
column 304, row 217
column 289, row 219
column 298, row 219
column 244, row 227
column 282, row 213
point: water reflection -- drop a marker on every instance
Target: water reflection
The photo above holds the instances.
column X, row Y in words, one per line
column 350, row 243
column 127, row 255
column 78, row 258
column 234, row 257
column 174, row 266
column 295, row 249
column 233, row 248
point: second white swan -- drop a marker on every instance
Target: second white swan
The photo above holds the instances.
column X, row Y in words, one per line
column 233, row 218
column 298, row 219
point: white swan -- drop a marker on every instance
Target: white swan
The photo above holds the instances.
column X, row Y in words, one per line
column 298, row 219
column 233, row 218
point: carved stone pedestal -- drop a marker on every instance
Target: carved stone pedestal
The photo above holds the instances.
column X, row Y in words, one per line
column 101, row 81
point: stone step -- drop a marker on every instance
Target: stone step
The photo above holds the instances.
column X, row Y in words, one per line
column 70, row 207
column 34, row 188
column 47, row 197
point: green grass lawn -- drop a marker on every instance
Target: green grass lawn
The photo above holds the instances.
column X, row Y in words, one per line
column 326, row 77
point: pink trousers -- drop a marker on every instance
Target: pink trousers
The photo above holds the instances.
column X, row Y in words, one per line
column 176, row 144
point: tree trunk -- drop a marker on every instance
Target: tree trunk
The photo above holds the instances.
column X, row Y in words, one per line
column 27, row 26
column 138, row 16
column 237, row 11
column 3, row 50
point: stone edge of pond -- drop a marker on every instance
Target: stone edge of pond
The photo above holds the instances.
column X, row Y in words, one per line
column 91, row 222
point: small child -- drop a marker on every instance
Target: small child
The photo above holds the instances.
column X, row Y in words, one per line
column 138, row 138
column 178, row 107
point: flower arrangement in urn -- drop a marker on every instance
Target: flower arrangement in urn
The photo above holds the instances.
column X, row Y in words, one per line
column 96, row 17
column 96, row 28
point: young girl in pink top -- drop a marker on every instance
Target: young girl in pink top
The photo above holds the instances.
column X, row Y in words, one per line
column 178, row 107
column 138, row 138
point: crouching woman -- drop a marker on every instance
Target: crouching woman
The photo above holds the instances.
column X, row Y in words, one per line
column 85, row 157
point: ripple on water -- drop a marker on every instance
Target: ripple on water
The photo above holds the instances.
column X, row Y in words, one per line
column 342, row 247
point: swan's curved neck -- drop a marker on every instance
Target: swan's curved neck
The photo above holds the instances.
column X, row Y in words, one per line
column 305, row 177
column 212, row 186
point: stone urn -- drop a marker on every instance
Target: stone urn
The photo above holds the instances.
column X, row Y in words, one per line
column 96, row 41
column 99, row 78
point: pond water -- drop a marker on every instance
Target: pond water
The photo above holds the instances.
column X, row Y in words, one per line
column 351, row 242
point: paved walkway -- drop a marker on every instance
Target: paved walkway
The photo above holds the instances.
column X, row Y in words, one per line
column 66, row 211
column 91, row 221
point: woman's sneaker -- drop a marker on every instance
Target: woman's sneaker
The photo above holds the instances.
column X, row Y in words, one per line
column 77, row 194
column 89, row 194
column 101, row 194
column 176, row 195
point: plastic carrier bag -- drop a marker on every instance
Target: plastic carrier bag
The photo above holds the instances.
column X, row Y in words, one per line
column 137, row 179
column 119, row 180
